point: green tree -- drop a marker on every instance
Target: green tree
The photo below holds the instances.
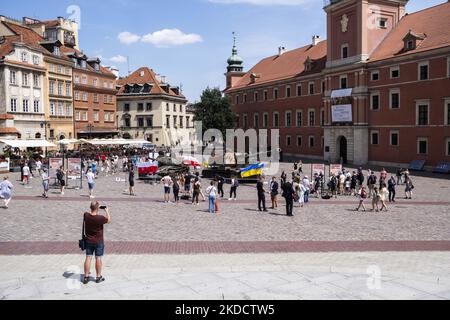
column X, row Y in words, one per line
column 214, row 111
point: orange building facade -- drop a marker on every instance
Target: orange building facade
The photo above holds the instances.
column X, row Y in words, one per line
column 376, row 92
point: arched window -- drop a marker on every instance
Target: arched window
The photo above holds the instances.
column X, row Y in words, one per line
column 62, row 137
column 37, row 135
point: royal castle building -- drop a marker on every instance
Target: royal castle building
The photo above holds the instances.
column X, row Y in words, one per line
column 377, row 91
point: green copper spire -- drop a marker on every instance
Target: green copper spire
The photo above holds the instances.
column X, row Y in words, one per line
column 235, row 62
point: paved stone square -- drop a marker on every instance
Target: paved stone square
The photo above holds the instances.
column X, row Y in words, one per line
column 180, row 251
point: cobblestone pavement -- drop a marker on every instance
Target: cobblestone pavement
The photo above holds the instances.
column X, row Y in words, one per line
column 289, row 276
column 147, row 218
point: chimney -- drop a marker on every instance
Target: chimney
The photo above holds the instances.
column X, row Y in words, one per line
column 281, row 51
column 315, row 40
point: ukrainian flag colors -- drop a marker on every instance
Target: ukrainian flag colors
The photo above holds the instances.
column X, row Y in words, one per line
column 253, row 170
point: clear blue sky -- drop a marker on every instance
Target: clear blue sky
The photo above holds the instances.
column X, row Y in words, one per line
column 195, row 53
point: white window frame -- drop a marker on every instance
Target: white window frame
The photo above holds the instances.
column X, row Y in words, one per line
column 392, row 69
column 26, row 105
column 447, row 147
column 53, row 108
column 422, row 103
column 421, row 64
column 276, row 125
column 343, row 46
column 13, row 77
column 13, row 104
column 36, row 106
column 288, row 87
column 96, row 116
column 420, row 139
column 59, row 68
column 36, row 80
column 398, row 138
column 51, row 89
column 309, row 141
column 256, row 121
column 296, row 118
column 448, row 67
column 288, row 112
column 85, row 116
column 68, row 90
column 77, row 79
column 60, row 88
column 24, row 56
column 95, row 82
column 446, row 111
column 36, row 59
column 265, row 123
column 85, row 96
column 288, row 137
column 373, row 73
column 301, row 141
column 69, row 110
column 60, row 109
column 371, row 137
column 25, row 79
column 309, row 117
column 84, row 80
column 344, row 76
column 379, row 26
column 77, row 115
column 309, row 88
column 299, row 85
column 275, row 96
column 393, row 91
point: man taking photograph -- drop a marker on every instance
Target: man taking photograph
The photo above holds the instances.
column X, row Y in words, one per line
column 93, row 225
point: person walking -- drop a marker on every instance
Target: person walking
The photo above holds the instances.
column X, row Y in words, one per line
column 283, row 178
column 391, row 189
column 274, row 192
column 220, row 183
column 60, row 175
column 408, row 187
column 211, row 191
column 196, row 191
column 131, row 175
column 176, row 189
column 362, row 195
column 90, row 177
column 30, row 166
column 26, row 174
column 233, row 189
column 45, row 182
column 167, row 182
column 307, row 184
column 6, row 189
column 300, row 167
column 261, row 194
column 376, row 197
column 95, row 243
column 301, row 194
column 371, row 182
column 383, row 196
column 288, row 195
column 39, row 166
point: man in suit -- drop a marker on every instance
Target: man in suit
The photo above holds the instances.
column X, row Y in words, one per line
column 288, row 194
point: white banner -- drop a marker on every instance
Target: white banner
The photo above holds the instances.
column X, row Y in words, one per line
column 342, row 113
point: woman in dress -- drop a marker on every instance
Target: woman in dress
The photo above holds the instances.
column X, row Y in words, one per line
column 6, row 188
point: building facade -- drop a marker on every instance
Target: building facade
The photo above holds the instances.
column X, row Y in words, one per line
column 22, row 82
column 376, row 92
column 149, row 108
column 57, row 82
column 94, row 98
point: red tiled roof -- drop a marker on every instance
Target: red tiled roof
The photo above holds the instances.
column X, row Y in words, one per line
column 9, row 130
column 288, row 65
column 67, row 50
column 30, row 37
column 7, row 46
column 433, row 23
column 148, row 77
column 6, row 116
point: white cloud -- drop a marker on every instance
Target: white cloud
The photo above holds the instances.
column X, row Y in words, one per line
column 264, row 2
column 118, row 59
column 171, row 37
column 128, row 37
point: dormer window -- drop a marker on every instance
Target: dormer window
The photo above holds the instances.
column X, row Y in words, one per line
column 308, row 64
column 412, row 40
column 83, row 64
column 97, row 67
column 24, row 57
column 56, row 51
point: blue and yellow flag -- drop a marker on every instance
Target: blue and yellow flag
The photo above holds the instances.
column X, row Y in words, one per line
column 253, row 170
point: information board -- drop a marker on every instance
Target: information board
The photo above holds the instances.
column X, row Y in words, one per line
column 4, row 165
column 53, row 165
column 74, row 168
column 317, row 169
column 335, row 169
column 342, row 113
